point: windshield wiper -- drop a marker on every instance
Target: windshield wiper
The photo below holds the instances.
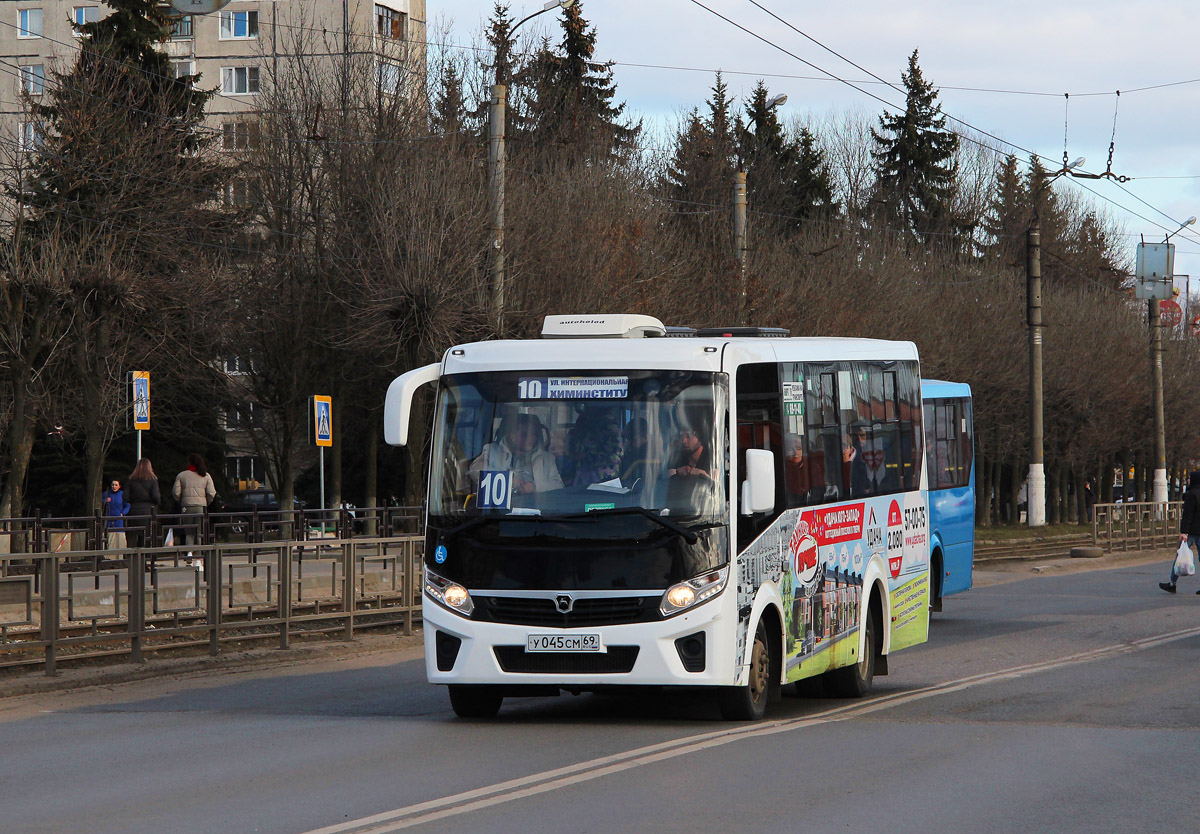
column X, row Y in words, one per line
column 689, row 535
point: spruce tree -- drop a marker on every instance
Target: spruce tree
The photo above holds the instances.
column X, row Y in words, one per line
column 572, row 96
column 786, row 177
column 914, row 161
column 1008, row 215
column 704, row 156
column 121, row 178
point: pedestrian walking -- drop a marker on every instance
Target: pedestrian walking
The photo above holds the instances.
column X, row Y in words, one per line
column 1189, row 526
column 194, row 490
column 145, row 496
column 115, row 509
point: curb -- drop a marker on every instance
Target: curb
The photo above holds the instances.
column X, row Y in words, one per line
column 15, row 683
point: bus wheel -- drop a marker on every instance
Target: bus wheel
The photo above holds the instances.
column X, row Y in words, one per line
column 855, row 681
column 475, row 701
column 749, row 702
column 935, row 581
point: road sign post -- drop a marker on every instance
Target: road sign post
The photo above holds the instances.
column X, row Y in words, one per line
column 140, row 396
column 322, row 422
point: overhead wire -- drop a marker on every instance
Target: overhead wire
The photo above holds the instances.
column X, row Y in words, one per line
column 1032, row 154
column 829, row 75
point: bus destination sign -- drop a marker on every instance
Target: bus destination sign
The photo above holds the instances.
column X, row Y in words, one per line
column 573, row 388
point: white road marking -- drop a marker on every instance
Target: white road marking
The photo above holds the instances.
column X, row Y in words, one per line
column 550, row 780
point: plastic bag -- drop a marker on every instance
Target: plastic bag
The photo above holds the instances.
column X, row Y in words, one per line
column 1184, row 564
column 169, row 539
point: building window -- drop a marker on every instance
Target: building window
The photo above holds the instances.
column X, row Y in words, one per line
column 241, row 192
column 239, row 25
column 389, row 77
column 184, row 68
column 30, row 23
column 239, row 417
column 82, row 15
column 235, row 366
column 239, row 80
column 29, row 136
column 244, row 471
column 390, row 23
column 239, row 136
column 181, row 27
column 33, row 79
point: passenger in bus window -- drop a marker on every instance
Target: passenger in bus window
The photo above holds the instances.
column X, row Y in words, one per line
column 595, row 447
column 691, row 458
column 883, row 465
column 520, row 448
column 853, row 457
column 804, row 478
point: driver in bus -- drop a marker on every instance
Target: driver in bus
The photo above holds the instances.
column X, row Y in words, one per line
column 691, row 458
column 520, row 448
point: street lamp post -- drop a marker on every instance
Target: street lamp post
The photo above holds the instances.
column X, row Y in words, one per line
column 1035, row 485
column 1159, row 491
column 739, row 225
column 496, row 175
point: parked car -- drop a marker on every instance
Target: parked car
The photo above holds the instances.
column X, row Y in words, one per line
column 263, row 500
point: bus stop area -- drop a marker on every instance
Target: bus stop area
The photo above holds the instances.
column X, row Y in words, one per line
column 249, row 583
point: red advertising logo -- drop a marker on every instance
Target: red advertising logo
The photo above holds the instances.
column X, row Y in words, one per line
column 895, row 540
column 836, row 524
column 804, row 552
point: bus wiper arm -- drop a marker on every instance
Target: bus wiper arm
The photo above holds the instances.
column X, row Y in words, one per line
column 689, row 536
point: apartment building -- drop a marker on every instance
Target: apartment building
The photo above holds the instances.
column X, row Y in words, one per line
column 233, row 51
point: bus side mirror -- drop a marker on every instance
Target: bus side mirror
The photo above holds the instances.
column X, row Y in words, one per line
column 397, row 408
column 758, row 490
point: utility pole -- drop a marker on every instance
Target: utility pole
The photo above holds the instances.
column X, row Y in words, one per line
column 1159, row 490
column 496, row 116
column 739, row 243
column 1035, row 492
column 739, row 219
column 496, row 198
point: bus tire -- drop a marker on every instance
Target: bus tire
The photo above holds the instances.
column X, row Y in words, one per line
column 855, row 681
column 749, row 702
column 935, row 581
column 475, row 701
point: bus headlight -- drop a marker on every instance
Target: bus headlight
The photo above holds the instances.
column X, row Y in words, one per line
column 691, row 593
column 448, row 594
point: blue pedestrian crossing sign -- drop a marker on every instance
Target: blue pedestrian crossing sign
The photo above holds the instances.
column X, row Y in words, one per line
column 323, row 421
column 141, row 400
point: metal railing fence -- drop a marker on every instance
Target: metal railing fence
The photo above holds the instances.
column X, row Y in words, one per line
column 44, row 534
column 76, row 604
column 1138, row 525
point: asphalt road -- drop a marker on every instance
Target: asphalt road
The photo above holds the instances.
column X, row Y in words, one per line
column 1064, row 702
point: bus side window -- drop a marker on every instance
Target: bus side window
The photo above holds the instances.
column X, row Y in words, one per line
column 824, row 435
column 758, row 427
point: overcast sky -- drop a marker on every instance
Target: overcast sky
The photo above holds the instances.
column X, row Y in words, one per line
column 1043, row 47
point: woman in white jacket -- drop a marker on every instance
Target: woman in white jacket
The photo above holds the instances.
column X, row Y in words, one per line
column 194, row 490
column 520, row 448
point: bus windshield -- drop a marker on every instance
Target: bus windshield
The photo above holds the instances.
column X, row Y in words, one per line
column 525, row 443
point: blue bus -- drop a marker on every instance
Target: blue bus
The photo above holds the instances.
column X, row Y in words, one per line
column 950, row 463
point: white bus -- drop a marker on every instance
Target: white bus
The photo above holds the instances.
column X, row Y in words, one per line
column 620, row 503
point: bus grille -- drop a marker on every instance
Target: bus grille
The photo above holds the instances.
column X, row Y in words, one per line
column 617, row 660
column 599, row 611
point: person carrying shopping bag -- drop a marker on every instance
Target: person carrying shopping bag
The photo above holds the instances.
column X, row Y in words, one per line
column 194, row 490
column 1189, row 533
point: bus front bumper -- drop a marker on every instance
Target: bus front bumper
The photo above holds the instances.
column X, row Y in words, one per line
column 637, row 654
